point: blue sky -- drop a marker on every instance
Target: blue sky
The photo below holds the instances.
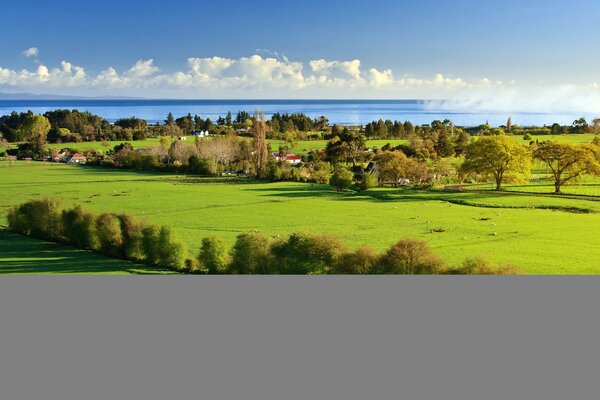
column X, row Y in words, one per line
column 417, row 48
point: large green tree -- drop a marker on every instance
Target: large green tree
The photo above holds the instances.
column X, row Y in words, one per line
column 498, row 157
column 35, row 128
column 567, row 162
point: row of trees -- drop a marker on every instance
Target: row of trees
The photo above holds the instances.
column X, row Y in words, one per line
column 503, row 160
column 120, row 236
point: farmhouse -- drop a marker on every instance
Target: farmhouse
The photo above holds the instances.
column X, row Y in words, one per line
column 77, row 158
column 290, row 158
column 199, row 133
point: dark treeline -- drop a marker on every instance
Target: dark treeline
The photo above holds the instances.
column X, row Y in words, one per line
column 82, row 126
column 120, row 236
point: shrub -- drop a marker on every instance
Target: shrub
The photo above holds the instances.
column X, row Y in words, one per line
column 251, row 254
column 172, row 251
column 341, row 179
column 192, row 266
column 360, row 262
column 410, row 256
column 274, row 172
column 39, row 218
column 304, row 254
column 80, row 228
column 110, row 238
column 202, row 166
column 151, row 244
column 368, row 181
column 213, row 255
column 483, row 266
column 132, row 238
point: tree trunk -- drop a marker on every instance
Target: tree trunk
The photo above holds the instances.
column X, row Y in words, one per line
column 498, row 184
column 556, row 187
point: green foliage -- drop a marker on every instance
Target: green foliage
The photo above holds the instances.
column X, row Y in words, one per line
column 172, row 252
column 360, row 262
column 568, row 162
column 341, row 179
column 483, row 266
column 202, row 166
column 251, row 254
column 132, row 236
column 151, row 244
column 304, row 254
column 498, row 157
column 213, row 255
column 368, row 181
column 80, row 228
column 411, row 257
column 110, row 238
column 35, row 128
column 39, row 218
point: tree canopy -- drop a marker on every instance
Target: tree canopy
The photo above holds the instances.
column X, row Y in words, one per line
column 498, row 157
column 567, row 162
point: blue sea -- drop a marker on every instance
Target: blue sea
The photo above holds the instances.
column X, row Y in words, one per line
column 346, row 112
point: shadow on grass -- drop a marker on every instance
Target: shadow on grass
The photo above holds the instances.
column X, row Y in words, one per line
column 23, row 255
column 479, row 198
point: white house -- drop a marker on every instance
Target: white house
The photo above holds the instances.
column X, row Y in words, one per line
column 290, row 158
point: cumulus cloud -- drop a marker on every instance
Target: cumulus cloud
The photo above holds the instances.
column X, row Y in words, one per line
column 274, row 75
column 31, row 52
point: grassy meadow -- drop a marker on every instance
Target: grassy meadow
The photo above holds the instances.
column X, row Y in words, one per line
column 525, row 226
column 25, row 255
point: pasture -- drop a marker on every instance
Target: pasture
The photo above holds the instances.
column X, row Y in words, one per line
column 25, row 255
column 540, row 233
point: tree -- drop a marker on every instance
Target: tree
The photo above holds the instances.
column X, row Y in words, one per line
column 251, row 254
column 359, row 262
column 35, row 128
column 341, row 179
column 368, row 181
column 213, row 255
column 412, row 257
column 170, row 119
column 34, row 132
column 110, row 238
column 261, row 147
column 567, row 162
column 579, row 126
column 392, row 166
column 303, row 254
column 228, row 118
column 498, row 157
column 381, row 129
column 509, row 124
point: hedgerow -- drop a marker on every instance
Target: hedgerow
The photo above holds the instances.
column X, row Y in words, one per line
column 121, row 236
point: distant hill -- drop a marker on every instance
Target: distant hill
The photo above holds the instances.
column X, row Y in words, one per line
column 34, row 96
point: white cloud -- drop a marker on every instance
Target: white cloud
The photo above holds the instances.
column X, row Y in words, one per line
column 276, row 76
column 31, row 52
column 142, row 68
column 336, row 70
column 381, row 78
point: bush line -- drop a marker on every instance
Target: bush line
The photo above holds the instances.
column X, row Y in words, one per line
column 120, row 236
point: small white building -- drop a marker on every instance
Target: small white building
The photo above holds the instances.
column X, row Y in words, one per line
column 290, row 158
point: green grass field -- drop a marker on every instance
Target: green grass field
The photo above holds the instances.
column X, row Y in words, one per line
column 24, row 255
column 302, row 146
column 528, row 230
column 573, row 138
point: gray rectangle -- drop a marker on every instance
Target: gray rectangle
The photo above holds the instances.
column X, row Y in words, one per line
column 273, row 337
